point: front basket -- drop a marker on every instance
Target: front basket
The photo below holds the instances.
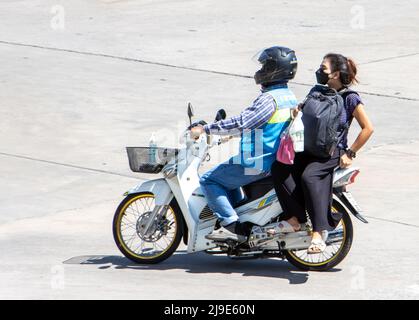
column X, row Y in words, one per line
column 149, row 159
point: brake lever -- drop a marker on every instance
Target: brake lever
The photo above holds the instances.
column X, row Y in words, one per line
column 224, row 140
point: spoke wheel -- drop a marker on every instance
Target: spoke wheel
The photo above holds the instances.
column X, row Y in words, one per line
column 334, row 252
column 141, row 239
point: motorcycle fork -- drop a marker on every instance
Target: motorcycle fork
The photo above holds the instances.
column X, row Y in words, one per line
column 157, row 212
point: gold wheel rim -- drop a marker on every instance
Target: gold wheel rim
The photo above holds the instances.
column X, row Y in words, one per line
column 334, row 255
column 120, row 236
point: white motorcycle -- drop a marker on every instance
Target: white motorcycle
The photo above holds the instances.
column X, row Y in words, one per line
column 156, row 215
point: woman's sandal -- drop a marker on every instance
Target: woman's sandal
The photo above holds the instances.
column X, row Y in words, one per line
column 316, row 246
column 283, row 227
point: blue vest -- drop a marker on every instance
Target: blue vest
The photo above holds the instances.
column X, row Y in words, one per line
column 258, row 147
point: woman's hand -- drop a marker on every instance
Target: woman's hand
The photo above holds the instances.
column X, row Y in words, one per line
column 345, row 161
column 294, row 112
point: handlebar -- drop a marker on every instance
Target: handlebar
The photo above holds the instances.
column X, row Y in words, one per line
column 220, row 140
column 212, row 140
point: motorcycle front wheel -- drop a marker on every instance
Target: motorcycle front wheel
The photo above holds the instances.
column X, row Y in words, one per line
column 334, row 253
column 132, row 215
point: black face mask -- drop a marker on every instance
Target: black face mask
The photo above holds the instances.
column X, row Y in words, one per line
column 322, row 77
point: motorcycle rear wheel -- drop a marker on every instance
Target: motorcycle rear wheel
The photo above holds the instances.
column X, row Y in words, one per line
column 131, row 214
column 308, row 262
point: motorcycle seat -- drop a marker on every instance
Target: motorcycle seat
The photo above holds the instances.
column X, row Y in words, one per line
column 255, row 190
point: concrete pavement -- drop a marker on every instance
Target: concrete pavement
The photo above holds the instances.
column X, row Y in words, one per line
column 71, row 99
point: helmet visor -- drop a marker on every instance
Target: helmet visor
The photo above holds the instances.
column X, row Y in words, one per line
column 259, row 57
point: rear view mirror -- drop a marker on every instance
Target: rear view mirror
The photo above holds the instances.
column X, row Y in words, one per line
column 221, row 115
column 190, row 112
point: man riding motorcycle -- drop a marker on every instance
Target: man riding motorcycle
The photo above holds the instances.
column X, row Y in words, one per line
column 260, row 126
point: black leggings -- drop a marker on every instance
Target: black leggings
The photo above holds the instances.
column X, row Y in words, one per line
column 307, row 185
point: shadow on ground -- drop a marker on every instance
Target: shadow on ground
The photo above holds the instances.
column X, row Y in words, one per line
column 198, row 263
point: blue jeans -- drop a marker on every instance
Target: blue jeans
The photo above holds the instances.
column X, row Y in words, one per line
column 221, row 184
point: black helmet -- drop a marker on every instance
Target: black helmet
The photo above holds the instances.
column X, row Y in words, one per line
column 279, row 64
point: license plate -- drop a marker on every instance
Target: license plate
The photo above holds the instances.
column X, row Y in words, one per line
column 348, row 196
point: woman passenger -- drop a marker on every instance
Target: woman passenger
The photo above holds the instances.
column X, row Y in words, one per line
column 307, row 184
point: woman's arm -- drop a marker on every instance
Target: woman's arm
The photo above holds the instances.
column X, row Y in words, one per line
column 366, row 131
column 366, row 128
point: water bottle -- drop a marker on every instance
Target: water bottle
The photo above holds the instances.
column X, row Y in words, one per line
column 297, row 133
column 152, row 153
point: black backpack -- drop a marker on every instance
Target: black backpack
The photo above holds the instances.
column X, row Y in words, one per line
column 322, row 110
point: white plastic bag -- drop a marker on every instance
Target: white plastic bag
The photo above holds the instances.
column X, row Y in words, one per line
column 296, row 133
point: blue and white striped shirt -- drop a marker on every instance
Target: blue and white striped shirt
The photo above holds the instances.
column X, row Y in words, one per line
column 252, row 117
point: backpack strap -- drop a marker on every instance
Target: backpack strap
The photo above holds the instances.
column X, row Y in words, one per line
column 345, row 92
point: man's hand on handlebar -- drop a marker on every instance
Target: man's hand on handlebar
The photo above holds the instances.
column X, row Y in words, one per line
column 196, row 131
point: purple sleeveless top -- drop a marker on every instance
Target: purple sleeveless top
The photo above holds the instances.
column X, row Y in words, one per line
column 352, row 100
